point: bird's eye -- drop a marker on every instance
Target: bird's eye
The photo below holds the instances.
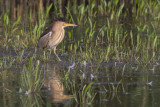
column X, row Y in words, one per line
column 64, row 24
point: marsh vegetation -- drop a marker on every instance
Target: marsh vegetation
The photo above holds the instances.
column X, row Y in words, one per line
column 111, row 59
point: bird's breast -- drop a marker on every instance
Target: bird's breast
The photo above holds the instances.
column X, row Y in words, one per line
column 56, row 39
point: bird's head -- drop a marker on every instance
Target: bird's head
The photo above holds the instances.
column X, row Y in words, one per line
column 62, row 22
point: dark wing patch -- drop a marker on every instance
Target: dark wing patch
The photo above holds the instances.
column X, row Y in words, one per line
column 49, row 29
column 43, row 41
column 44, row 38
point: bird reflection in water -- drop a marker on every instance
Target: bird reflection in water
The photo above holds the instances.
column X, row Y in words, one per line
column 54, row 84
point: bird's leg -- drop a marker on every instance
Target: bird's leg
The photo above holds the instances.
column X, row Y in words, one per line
column 44, row 54
column 56, row 54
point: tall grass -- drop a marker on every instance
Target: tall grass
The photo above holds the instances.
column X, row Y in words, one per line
column 121, row 36
column 32, row 79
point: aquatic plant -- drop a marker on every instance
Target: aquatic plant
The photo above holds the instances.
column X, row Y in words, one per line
column 112, row 36
column 31, row 78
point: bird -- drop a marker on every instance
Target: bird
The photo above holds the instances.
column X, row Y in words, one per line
column 53, row 35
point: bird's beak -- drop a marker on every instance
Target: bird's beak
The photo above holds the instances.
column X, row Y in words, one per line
column 68, row 24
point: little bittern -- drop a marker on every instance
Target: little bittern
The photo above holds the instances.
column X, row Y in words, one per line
column 53, row 35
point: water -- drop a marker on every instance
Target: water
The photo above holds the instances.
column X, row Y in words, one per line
column 116, row 83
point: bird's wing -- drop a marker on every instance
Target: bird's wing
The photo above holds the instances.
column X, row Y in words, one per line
column 43, row 41
column 49, row 29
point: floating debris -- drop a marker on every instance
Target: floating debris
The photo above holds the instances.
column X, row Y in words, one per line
column 83, row 75
column 27, row 92
column 157, row 63
column 150, row 83
column 92, row 76
column 72, row 66
column 153, row 69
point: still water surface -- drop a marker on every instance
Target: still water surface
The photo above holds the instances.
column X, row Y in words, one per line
column 126, row 85
column 116, row 84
